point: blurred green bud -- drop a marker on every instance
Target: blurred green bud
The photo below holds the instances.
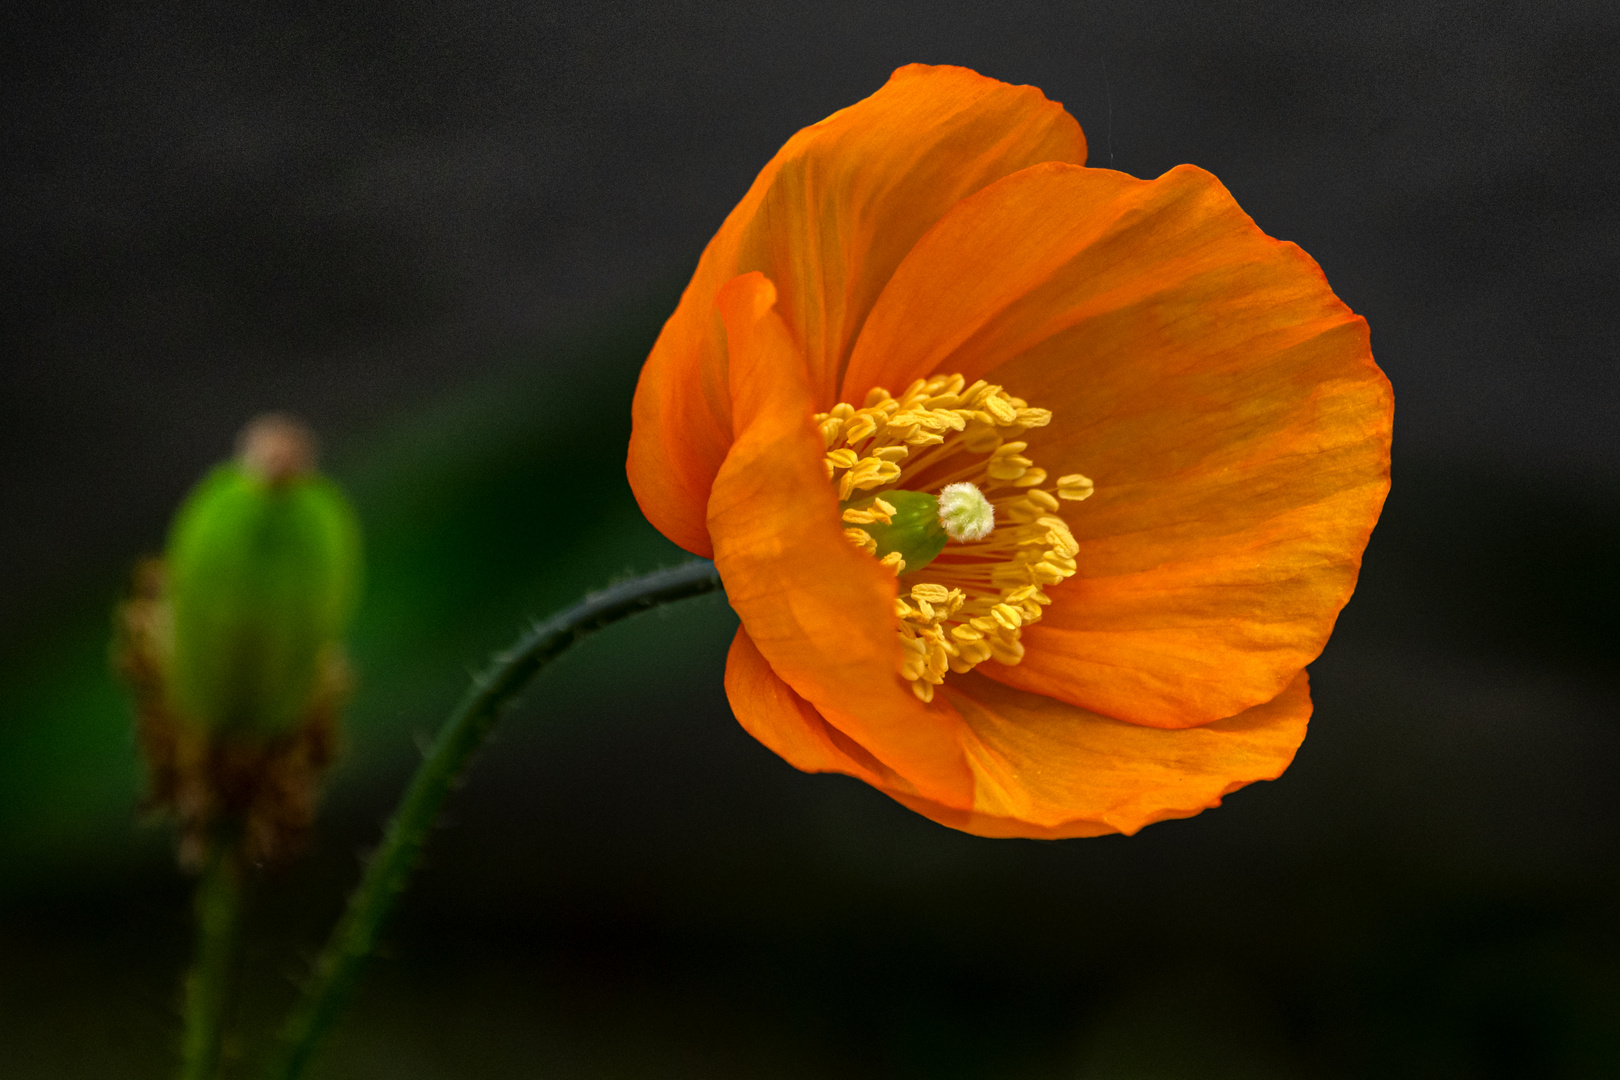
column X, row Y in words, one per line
column 232, row 647
column 263, row 568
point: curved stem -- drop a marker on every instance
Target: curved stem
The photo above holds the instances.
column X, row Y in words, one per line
column 208, row 983
column 465, row 730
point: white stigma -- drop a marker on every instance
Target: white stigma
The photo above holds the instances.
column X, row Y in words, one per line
column 965, row 513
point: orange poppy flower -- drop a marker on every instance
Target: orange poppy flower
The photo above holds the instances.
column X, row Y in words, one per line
column 877, row 408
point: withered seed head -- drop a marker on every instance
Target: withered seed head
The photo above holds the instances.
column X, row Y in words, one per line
column 265, row 790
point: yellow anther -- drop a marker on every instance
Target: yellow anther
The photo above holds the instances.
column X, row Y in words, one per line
column 1058, row 535
column 859, row 429
column 981, row 437
column 1001, row 409
column 866, row 474
column 1005, row 651
column 843, row 458
column 1008, row 468
column 1008, row 616
column 934, row 594
column 893, row 561
column 972, row 654
column 1074, row 486
column 1048, row 574
column 875, row 472
column 879, row 510
column 861, row 539
column 1041, row 499
column 914, row 418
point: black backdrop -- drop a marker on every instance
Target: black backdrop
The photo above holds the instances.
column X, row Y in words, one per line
column 352, row 211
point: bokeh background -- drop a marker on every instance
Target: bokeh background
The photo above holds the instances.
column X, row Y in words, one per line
column 446, row 234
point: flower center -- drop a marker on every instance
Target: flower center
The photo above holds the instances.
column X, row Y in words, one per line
column 936, row 486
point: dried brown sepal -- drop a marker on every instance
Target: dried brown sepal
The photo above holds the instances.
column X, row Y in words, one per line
column 263, row 790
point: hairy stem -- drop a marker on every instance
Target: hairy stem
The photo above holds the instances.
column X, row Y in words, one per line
column 208, row 983
column 463, row 732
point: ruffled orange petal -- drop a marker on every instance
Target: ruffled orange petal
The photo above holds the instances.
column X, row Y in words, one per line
column 770, row 711
column 1042, row 769
column 1046, row 769
column 828, row 220
column 1204, row 375
column 818, row 610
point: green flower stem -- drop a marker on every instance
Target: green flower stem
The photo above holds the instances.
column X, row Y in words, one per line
column 465, row 730
column 208, row 983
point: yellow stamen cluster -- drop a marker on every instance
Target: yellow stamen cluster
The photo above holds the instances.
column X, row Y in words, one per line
column 878, row 511
column 971, row 602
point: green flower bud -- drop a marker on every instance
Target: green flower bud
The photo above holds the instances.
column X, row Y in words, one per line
column 263, row 566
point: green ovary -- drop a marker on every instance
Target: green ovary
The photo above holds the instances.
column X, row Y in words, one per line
column 914, row 529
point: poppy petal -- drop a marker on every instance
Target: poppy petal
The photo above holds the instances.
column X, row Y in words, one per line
column 828, row 220
column 1204, row 375
column 819, row 611
column 790, row 726
column 1046, row 769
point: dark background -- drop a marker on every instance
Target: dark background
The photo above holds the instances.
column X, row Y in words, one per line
column 446, row 234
